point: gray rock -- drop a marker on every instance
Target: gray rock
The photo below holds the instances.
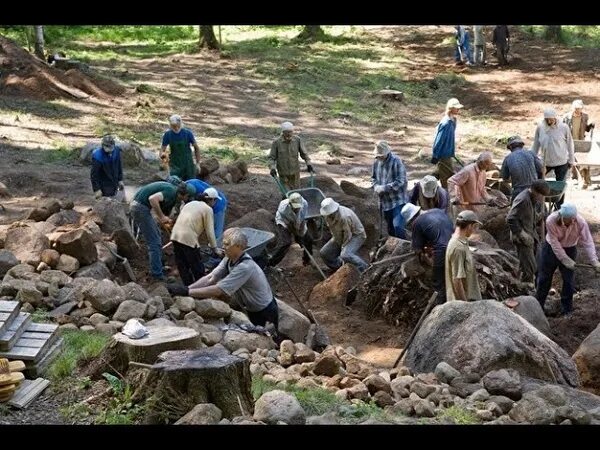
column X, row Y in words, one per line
column 55, row 276
column 43, row 287
column 118, row 325
column 134, row 291
column 463, row 389
column 405, row 407
column 494, row 409
column 445, row 372
column 44, row 209
column 185, row 304
column 329, row 418
column 480, row 395
column 383, row 399
column 10, row 287
column 104, row 254
column 531, row 310
column 65, row 308
column 27, row 244
column 239, row 318
column 484, row 415
column 29, row 295
column 292, row 323
column 67, row 264
column 160, row 290
column 97, row 319
column 202, row 414
column 156, row 302
column 533, row 410
column 97, row 270
column 94, row 230
column 23, row 272
column 130, row 309
column 376, row 383
column 65, row 217
column 78, row 244
column 7, row 261
column 68, row 327
column 485, row 335
column 424, row 408
column 212, row 309
column 111, row 215
column 327, row 365
column 27, row 308
column 554, row 395
column 575, row 414
column 587, row 359
column 421, row 389
column 105, row 296
column 504, row 403
column 506, row 382
column 210, row 335
column 107, row 328
column 275, row 406
column 234, row 340
column 502, row 420
column 69, row 294
column 304, row 354
column 160, row 322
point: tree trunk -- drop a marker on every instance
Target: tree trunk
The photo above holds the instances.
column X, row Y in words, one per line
column 208, row 38
column 183, row 379
column 554, row 33
column 39, row 42
column 311, row 33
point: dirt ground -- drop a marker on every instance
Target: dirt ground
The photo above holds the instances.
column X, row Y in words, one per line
column 218, row 97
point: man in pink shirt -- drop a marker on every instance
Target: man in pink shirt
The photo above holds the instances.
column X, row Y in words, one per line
column 564, row 230
column 467, row 187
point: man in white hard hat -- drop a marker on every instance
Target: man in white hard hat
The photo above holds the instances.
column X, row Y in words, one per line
column 389, row 182
column 461, row 276
column 443, row 151
column 107, row 170
column 578, row 123
column 291, row 225
column 564, row 230
column 555, row 141
column 428, row 194
column 431, row 231
column 179, row 140
column 347, row 236
column 283, row 158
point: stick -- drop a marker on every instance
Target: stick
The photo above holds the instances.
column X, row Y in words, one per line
column 312, row 260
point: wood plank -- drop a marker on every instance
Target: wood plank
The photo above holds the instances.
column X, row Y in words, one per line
column 28, row 392
column 18, row 327
column 33, row 343
column 6, row 318
column 23, row 348
column 8, row 306
column 42, row 327
column 37, row 369
column 30, row 335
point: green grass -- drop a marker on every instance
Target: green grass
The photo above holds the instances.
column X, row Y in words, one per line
column 573, row 35
column 40, row 316
column 60, row 153
column 460, row 416
column 78, row 347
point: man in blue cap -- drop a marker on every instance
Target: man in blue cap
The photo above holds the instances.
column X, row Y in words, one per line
column 107, row 170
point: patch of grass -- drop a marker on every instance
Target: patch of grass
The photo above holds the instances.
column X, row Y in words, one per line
column 40, row 316
column 76, row 412
column 236, row 149
column 60, row 153
column 4, row 409
column 120, row 409
column 573, row 35
column 460, row 416
column 78, row 347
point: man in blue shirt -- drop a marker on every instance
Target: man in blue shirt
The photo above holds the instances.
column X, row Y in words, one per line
column 390, row 183
column 431, row 231
column 522, row 166
column 179, row 139
column 443, row 142
column 463, row 48
column 219, row 207
column 107, row 171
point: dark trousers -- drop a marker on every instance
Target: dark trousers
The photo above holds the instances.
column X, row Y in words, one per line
column 439, row 282
column 395, row 223
column 561, row 175
column 285, row 241
column 547, row 264
column 189, row 263
column 269, row 314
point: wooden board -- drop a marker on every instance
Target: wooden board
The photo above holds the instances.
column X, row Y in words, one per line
column 9, row 310
column 35, row 369
column 28, row 392
column 14, row 332
column 33, row 343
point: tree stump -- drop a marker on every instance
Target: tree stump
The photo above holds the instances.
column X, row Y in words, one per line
column 391, row 94
column 186, row 378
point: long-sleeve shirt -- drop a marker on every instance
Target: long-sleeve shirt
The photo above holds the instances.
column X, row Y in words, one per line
column 432, row 228
column 287, row 218
column 523, row 167
column 344, row 226
column 500, row 35
column 468, row 185
column 107, row 171
column 560, row 237
column 194, row 219
column 578, row 133
column 440, row 200
column 443, row 142
column 556, row 144
column 478, row 32
column 525, row 215
column 284, row 155
column 391, row 174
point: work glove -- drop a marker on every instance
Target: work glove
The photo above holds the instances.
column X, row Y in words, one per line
column 121, row 186
column 98, row 194
column 596, row 265
column 273, row 173
column 379, row 189
column 309, row 168
column 568, row 263
column 434, row 160
column 526, row 238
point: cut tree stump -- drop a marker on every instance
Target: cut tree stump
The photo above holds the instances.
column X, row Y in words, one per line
column 183, row 379
column 390, row 94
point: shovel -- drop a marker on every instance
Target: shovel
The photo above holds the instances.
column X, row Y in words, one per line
column 313, row 262
column 122, row 260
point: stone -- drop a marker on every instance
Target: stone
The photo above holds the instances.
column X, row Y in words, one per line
column 55, row 276
column 44, row 209
column 484, row 415
column 107, row 328
column 26, row 244
column 27, row 308
column 160, row 322
column 185, row 304
column 506, row 382
column 404, row 406
column 532, row 409
column 66, row 217
column 22, row 272
column 130, row 309
column 421, row 389
column 342, row 394
column 50, row 257
column 504, row 403
column 445, row 372
column 212, row 309
column 209, row 334
column 7, row 261
column 43, row 287
column 202, row 414
column 553, row 395
column 67, row 264
column 292, row 323
column 68, row 327
column 97, row 318
column 104, row 254
column 97, row 270
column 576, row 415
column 329, row 418
column 307, row 383
column 275, row 406
column 87, row 328
column 531, row 310
column 334, row 289
column 347, row 382
column 494, row 409
column 304, row 355
column 234, row 340
column 587, row 359
column 359, row 391
column 157, row 302
column 376, row 383
column 383, row 399
column 65, row 308
column 424, row 408
column 106, row 296
column 30, row 295
column 480, row 395
column 327, row 365
column 118, row 325
column 285, row 359
column 463, row 389
column 78, row 244
column 239, row 318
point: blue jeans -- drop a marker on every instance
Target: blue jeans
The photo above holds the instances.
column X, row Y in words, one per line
column 219, row 225
column 334, row 255
column 149, row 229
column 395, row 222
column 547, row 264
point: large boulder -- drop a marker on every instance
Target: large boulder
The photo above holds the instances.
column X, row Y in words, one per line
column 505, row 382
column 530, row 309
column 65, row 217
column 135, row 292
column 78, row 244
column 7, row 261
column 110, row 215
column 485, row 335
column 234, row 340
column 335, row 288
column 279, row 406
column 44, row 209
column 104, row 295
column 98, row 271
column 292, row 324
column 127, row 246
column 67, row 264
column 27, row 244
column 587, row 359
column 50, row 257
column 130, row 309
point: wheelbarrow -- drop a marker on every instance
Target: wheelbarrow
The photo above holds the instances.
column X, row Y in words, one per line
column 257, row 241
column 557, row 191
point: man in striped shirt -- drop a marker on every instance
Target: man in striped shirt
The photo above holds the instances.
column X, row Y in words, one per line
column 390, row 183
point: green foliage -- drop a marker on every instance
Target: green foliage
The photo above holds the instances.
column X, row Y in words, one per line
column 120, row 409
column 572, row 35
column 78, row 347
column 460, row 416
column 40, row 316
column 60, row 153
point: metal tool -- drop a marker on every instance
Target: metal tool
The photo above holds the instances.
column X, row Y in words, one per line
column 122, row 260
column 312, row 260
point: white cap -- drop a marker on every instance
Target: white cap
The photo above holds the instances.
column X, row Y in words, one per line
column 212, row 193
column 382, row 148
column 453, row 103
column 287, row 126
column 577, row 104
column 409, row 211
column 429, row 185
column 329, row 206
column 549, row 114
column 295, row 200
column 175, row 119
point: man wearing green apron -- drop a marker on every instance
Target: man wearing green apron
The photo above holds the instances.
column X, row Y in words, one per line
column 180, row 158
